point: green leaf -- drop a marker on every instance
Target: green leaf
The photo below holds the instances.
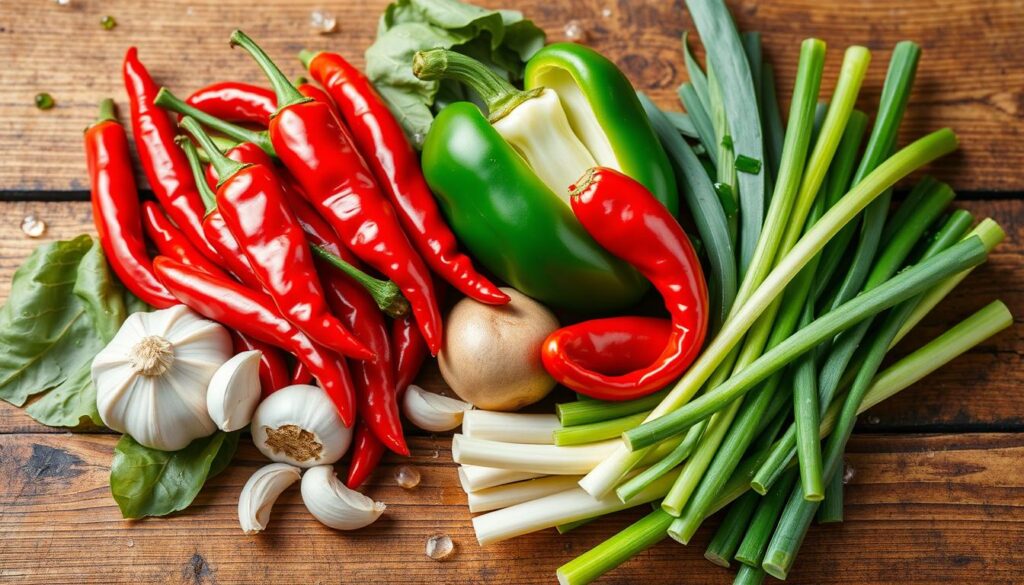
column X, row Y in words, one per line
column 64, row 307
column 148, row 482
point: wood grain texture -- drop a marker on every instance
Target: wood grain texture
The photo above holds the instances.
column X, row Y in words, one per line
column 920, row 509
column 971, row 77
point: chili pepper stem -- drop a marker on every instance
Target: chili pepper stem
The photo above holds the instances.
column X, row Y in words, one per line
column 167, row 100
column 225, row 167
column 106, row 111
column 384, row 292
column 192, row 154
column 287, row 94
column 306, row 57
column 500, row 96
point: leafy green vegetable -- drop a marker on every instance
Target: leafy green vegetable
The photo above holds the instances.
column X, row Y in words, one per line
column 148, row 482
column 501, row 38
column 64, row 307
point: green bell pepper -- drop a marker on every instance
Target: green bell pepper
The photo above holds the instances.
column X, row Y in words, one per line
column 503, row 180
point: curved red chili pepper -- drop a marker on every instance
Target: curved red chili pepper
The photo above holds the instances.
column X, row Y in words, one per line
column 273, row 367
column 310, row 141
column 410, row 352
column 395, row 165
column 615, row 345
column 253, row 204
column 170, row 242
column 115, row 209
column 367, row 451
column 163, row 162
column 630, row 223
column 301, row 374
column 254, row 314
column 235, row 101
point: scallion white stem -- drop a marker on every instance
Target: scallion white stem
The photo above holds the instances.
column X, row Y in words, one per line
column 510, row 427
column 511, row 494
column 475, row 477
column 545, row 459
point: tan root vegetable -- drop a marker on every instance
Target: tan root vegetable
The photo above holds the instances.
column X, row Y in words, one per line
column 491, row 354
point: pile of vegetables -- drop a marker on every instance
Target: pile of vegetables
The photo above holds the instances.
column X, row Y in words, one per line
column 297, row 237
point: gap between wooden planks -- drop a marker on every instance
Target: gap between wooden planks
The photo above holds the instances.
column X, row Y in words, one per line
column 970, row 78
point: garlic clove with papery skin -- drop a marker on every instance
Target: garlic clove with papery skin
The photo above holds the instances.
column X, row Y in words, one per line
column 432, row 412
column 299, row 425
column 234, row 391
column 333, row 504
column 261, row 491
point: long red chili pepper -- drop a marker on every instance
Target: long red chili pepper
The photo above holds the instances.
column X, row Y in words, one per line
column 300, row 374
column 630, row 223
column 115, row 208
column 235, row 101
column 162, row 161
column 389, row 154
column 253, row 204
column 273, row 367
column 614, row 345
column 254, row 314
column 309, row 140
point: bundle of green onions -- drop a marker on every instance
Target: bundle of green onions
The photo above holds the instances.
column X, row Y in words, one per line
column 813, row 280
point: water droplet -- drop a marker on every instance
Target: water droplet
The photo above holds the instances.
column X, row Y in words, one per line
column 848, row 472
column 873, row 420
column 435, row 454
column 325, row 23
column 407, row 477
column 44, row 101
column 574, row 32
column 189, row 11
column 439, row 547
column 108, row 22
column 63, row 2
column 130, row 543
column 32, row 226
column 606, row 12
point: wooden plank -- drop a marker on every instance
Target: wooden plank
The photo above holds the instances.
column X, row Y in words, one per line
column 970, row 77
column 978, row 390
column 920, row 510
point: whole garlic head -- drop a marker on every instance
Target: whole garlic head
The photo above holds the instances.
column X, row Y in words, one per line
column 333, row 504
column 299, row 425
column 152, row 377
column 260, row 493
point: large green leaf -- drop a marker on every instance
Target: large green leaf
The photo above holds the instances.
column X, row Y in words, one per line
column 148, row 482
column 64, row 307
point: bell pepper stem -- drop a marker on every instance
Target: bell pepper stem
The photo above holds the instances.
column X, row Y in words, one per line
column 384, row 292
column 192, row 154
column 500, row 96
column 287, row 94
column 307, row 56
column 225, row 167
column 167, row 100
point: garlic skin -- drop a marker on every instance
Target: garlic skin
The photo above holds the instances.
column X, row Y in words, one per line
column 261, row 491
column 299, row 425
column 432, row 412
column 333, row 504
column 234, row 391
column 152, row 377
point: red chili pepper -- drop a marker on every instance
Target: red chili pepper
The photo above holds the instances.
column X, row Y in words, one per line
column 172, row 243
column 254, row 314
column 115, row 208
column 273, row 367
column 380, row 137
column 615, row 345
column 253, row 205
column 630, row 223
column 235, row 101
column 301, row 374
column 310, row 141
column 367, row 451
column 163, row 163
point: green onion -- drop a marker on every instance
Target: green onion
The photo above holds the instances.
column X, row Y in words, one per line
column 831, row 509
column 749, row 576
column 570, row 526
column 628, row 490
column 598, row 431
column 696, row 74
column 639, row 536
column 589, row 410
column 693, row 471
column 729, row 64
column 701, row 120
column 727, row 538
column 762, row 525
column 745, row 164
column 772, row 114
column 681, row 122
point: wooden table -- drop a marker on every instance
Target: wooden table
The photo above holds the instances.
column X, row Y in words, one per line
column 937, row 492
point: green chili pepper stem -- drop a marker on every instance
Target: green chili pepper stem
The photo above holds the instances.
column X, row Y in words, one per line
column 384, row 292
column 306, row 57
column 226, row 168
column 287, row 94
column 192, row 154
column 500, row 96
column 167, row 100
column 107, row 112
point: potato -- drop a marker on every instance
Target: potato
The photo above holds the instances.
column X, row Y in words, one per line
column 491, row 354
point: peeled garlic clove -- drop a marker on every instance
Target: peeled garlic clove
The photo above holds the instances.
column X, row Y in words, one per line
column 260, row 493
column 234, row 391
column 299, row 425
column 433, row 412
column 333, row 504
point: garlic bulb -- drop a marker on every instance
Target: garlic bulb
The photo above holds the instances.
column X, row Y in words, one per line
column 260, row 493
column 152, row 377
column 333, row 504
column 432, row 412
column 234, row 391
column 299, row 425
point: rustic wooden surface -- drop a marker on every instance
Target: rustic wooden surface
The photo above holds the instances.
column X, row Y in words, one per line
column 920, row 508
